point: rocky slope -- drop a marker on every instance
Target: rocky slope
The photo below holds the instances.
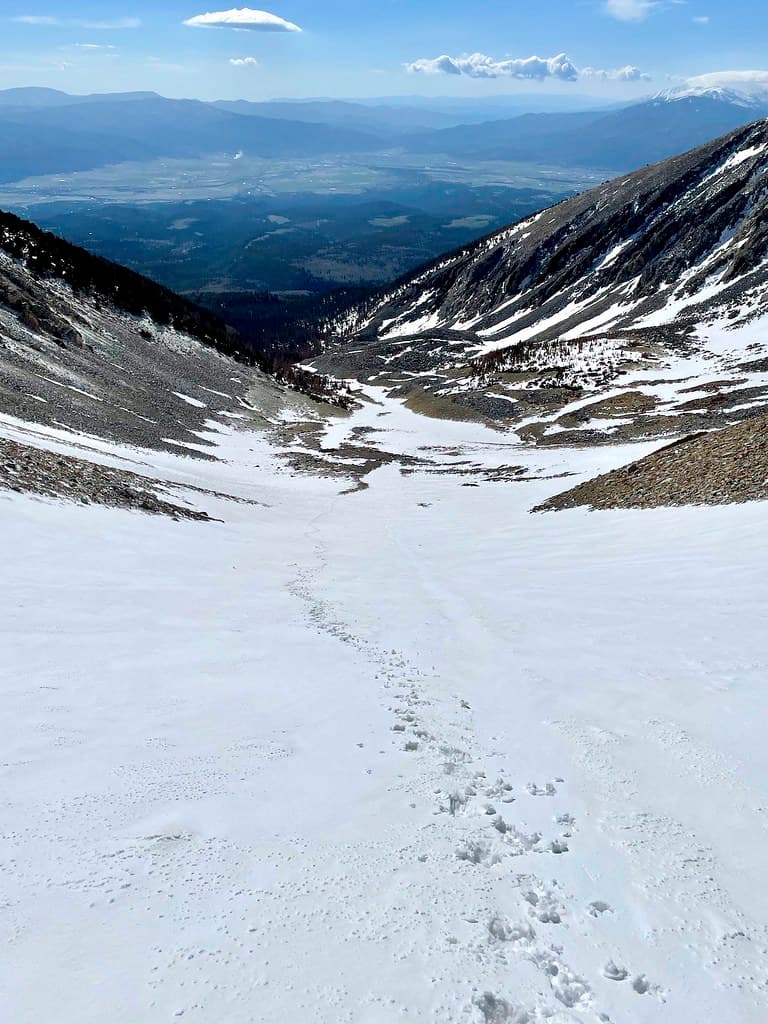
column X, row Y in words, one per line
column 25, row 469
column 93, row 356
column 723, row 467
column 88, row 346
column 602, row 318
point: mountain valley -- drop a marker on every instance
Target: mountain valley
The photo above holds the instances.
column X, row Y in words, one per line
column 404, row 658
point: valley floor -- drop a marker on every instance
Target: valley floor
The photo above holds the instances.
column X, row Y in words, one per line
column 406, row 753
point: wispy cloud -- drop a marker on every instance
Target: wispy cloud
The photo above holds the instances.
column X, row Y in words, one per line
column 630, row 10
column 754, row 82
column 243, row 62
column 119, row 23
column 703, row 19
column 46, row 20
column 243, row 19
column 35, row 19
column 560, row 67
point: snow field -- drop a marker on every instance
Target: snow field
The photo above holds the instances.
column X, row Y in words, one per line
column 404, row 754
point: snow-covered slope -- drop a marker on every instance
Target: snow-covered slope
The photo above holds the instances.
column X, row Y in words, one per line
column 644, row 271
column 407, row 754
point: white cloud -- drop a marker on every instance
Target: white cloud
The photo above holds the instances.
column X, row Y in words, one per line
column 630, row 10
column 704, row 19
column 743, row 88
column 243, row 62
column 243, row 19
column 479, row 65
column 561, row 67
column 627, row 74
column 94, row 46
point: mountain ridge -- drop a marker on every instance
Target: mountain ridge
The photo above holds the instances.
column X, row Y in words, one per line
column 523, row 322
column 46, row 255
column 90, row 347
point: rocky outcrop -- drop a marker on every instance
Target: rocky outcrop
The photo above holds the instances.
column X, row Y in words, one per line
column 28, row 470
column 723, row 467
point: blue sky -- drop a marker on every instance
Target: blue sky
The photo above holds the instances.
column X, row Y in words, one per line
column 616, row 48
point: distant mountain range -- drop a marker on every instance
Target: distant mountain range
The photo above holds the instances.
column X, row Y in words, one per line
column 619, row 140
column 36, row 97
column 44, row 131
column 104, row 130
column 385, row 121
column 744, row 88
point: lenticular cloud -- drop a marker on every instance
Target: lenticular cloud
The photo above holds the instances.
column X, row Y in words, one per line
column 630, row 10
column 244, row 19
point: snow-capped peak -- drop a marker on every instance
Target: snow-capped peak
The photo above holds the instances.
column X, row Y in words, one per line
column 743, row 88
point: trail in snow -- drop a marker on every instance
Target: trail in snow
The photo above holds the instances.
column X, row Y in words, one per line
column 476, row 816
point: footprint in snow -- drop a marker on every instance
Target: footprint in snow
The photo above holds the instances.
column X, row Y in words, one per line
column 477, row 852
column 548, row 790
column 519, row 933
column 598, row 907
column 501, row 790
column 543, row 906
column 613, row 972
column 641, row 985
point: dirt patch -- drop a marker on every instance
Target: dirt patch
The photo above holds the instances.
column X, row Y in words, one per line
column 631, row 403
column 487, row 474
column 440, row 407
column 348, row 462
column 724, row 399
column 713, row 385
